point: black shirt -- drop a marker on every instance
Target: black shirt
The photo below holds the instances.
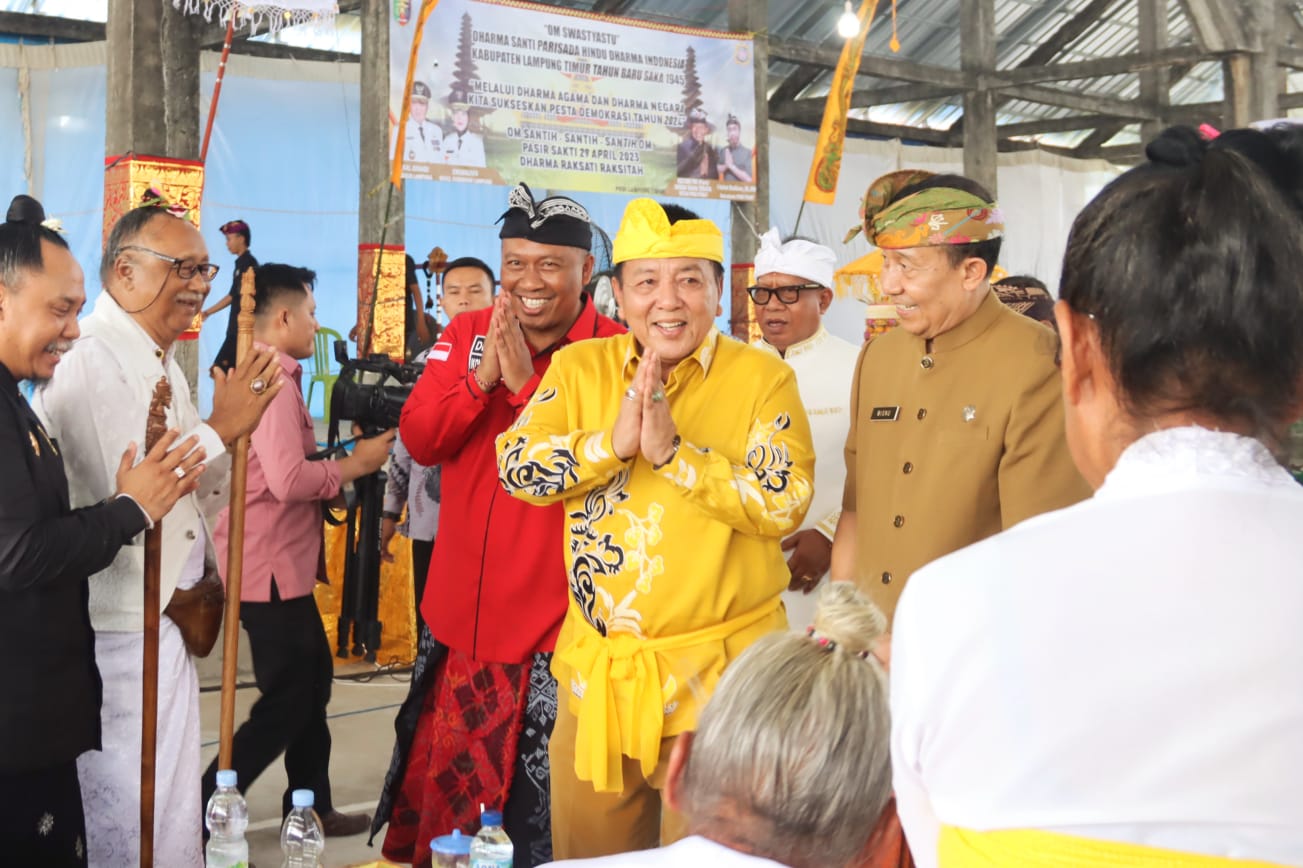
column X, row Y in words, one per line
column 51, row 708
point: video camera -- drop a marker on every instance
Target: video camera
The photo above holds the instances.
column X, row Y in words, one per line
column 374, row 407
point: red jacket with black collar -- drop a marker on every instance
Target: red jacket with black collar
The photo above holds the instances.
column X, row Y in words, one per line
column 497, row 585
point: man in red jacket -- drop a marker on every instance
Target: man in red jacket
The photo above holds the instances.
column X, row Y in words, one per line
column 475, row 726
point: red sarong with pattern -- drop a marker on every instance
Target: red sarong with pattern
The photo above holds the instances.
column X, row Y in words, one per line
column 463, row 754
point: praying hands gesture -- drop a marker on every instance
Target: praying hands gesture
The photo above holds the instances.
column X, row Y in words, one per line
column 507, row 357
column 644, row 424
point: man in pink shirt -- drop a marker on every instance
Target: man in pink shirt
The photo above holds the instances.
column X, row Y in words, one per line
column 292, row 664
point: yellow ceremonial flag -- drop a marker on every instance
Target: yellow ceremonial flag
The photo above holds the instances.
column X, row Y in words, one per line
column 821, row 188
column 396, row 172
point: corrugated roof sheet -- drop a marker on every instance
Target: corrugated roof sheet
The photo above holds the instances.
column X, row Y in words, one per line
column 929, row 33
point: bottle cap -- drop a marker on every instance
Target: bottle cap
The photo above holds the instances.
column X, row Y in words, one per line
column 226, row 778
column 455, row 844
column 302, row 798
column 490, row 817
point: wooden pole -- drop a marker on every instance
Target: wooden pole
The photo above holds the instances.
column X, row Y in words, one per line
column 155, row 428
column 235, row 542
column 217, row 86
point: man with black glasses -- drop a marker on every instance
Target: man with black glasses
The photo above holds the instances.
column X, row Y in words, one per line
column 156, row 275
column 791, row 295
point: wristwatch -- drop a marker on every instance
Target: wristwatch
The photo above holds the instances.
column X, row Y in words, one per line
column 674, row 450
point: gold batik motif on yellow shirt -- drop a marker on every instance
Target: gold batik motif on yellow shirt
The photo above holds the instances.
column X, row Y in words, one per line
column 674, row 571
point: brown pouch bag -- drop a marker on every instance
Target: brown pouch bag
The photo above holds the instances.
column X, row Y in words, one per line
column 197, row 613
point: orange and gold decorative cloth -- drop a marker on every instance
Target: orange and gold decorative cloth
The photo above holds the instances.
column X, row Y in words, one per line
column 390, row 327
column 128, row 178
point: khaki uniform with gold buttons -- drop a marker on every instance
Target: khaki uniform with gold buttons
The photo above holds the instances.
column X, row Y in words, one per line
column 952, row 443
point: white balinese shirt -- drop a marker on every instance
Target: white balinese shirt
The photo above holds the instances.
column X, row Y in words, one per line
column 1126, row 669
column 96, row 405
column 825, row 367
column 691, row 851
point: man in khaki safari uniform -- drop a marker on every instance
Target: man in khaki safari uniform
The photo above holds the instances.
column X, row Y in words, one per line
column 956, row 416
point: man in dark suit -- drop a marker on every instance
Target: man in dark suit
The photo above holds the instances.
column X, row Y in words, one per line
column 51, row 712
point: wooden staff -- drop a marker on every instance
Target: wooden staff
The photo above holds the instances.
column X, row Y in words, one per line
column 155, row 428
column 235, row 541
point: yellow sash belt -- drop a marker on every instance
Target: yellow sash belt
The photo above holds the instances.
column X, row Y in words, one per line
column 965, row 848
column 623, row 710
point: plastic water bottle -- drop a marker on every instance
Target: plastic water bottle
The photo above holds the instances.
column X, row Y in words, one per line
column 491, row 847
column 226, row 818
column 302, row 838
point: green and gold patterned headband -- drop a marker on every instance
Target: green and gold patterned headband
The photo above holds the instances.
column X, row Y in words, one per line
column 935, row 216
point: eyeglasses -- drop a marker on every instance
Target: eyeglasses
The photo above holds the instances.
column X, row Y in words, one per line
column 786, row 294
column 184, row 270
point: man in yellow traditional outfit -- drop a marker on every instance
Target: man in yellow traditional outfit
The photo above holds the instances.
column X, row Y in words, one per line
column 682, row 458
column 956, row 416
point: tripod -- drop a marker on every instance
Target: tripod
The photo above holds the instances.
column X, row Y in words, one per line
column 359, row 607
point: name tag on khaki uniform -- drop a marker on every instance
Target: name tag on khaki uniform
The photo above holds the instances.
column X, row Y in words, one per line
column 884, row 414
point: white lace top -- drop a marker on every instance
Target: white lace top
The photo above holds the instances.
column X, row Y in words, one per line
column 1127, row 668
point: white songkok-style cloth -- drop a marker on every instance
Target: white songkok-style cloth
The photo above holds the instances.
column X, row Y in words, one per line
column 814, row 262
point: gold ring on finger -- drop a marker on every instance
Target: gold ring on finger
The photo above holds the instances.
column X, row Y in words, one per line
column 258, row 386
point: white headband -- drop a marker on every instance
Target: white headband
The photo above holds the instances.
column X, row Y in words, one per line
column 804, row 259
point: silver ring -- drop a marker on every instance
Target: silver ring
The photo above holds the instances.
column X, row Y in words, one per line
column 258, row 386
column 631, row 394
column 180, row 474
column 658, row 395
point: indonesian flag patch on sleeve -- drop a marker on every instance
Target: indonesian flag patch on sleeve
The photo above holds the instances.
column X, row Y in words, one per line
column 439, row 352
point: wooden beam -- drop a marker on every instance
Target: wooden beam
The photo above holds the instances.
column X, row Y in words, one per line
column 51, row 27
column 902, row 93
column 1289, row 55
column 1251, row 79
column 1123, row 154
column 1068, row 32
column 1104, row 66
column 1155, row 89
column 877, row 130
column 800, row 51
column 1081, row 102
column 1219, row 25
column 811, row 109
column 977, row 57
column 790, row 88
column 1058, row 125
column 1071, row 30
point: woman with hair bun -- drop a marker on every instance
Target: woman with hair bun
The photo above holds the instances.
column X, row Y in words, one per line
column 1118, row 682
column 789, row 763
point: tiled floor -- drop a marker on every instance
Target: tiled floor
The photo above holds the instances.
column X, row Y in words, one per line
column 361, row 725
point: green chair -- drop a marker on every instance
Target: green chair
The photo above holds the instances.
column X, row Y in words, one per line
column 323, row 353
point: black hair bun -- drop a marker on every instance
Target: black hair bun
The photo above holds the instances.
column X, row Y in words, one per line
column 25, row 210
column 1177, row 146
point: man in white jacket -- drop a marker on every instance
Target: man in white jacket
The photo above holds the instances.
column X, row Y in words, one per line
column 791, row 295
column 156, row 275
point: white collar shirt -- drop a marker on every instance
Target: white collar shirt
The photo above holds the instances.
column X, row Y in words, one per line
column 95, row 405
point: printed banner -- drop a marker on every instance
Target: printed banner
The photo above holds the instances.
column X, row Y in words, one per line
column 508, row 91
